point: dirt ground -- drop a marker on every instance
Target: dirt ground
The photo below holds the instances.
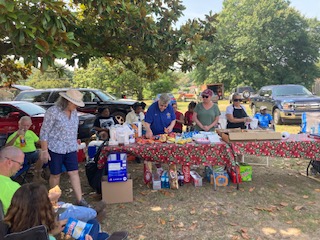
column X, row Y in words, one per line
column 279, row 203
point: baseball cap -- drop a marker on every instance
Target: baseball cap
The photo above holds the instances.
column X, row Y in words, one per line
column 263, row 108
column 207, row 92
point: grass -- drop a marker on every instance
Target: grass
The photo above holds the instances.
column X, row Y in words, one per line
column 183, row 107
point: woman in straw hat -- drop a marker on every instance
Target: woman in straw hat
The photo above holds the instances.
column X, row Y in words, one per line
column 58, row 137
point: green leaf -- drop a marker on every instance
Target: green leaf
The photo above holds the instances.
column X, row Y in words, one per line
column 60, row 54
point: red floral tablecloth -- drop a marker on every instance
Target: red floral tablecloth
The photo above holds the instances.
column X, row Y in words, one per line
column 205, row 154
column 296, row 146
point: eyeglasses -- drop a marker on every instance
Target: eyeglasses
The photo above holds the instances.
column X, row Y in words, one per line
column 203, row 96
column 21, row 164
column 237, row 100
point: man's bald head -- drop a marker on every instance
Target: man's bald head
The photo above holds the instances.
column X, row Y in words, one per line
column 10, row 152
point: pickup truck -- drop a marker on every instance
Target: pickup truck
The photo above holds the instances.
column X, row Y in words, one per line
column 286, row 102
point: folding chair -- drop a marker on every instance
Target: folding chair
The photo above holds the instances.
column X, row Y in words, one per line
column 34, row 233
column 1, row 211
column 21, row 175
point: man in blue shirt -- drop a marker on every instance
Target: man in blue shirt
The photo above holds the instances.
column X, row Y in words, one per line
column 264, row 118
column 160, row 117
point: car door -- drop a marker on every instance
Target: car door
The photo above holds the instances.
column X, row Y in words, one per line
column 9, row 117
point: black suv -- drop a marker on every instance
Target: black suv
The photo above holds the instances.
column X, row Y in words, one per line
column 93, row 99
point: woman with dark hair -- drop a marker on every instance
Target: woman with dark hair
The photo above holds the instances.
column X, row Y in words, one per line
column 58, row 137
column 136, row 115
column 103, row 123
column 31, row 207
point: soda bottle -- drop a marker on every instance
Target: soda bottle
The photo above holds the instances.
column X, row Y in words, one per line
column 167, row 184
column 22, row 141
column 163, row 180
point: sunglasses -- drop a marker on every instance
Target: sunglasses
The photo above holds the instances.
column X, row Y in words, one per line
column 21, row 164
column 204, row 96
column 237, row 100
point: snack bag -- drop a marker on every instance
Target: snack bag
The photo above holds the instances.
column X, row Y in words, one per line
column 173, row 176
column 147, row 172
column 76, row 229
column 56, row 192
column 186, row 173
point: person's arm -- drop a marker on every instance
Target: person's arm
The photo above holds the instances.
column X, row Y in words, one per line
column 196, row 120
column 170, row 127
column 14, row 138
column 47, row 125
column 149, row 132
column 230, row 118
column 181, row 119
column 214, row 123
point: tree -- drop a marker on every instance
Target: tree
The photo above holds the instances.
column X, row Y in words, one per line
column 41, row 31
column 259, row 43
column 50, row 78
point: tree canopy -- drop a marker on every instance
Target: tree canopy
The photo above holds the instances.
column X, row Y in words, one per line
column 38, row 32
column 258, row 43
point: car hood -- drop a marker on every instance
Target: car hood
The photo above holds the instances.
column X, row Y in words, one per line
column 297, row 98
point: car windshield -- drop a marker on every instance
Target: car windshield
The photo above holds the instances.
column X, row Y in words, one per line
column 33, row 96
column 291, row 91
column 105, row 96
column 242, row 89
column 31, row 109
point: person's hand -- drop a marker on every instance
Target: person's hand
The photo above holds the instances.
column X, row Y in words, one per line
column 54, row 196
column 45, row 156
column 21, row 132
column 149, row 134
column 206, row 128
column 248, row 119
column 59, row 226
column 88, row 237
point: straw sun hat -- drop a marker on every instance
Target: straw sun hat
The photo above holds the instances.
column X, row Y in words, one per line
column 73, row 96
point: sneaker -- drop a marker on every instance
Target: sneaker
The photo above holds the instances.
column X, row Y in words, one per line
column 83, row 203
column 99, row 206
column 118, row 236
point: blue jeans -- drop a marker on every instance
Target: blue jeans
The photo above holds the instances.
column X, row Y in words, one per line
column 83, row 214
column 95, row 231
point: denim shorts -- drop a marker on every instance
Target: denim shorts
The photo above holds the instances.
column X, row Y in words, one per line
column 32, row 157
column 58, row 160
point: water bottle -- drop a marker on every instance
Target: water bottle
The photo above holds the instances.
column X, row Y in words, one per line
column 163, row 180
column 167, row 184
column 180, row 179
column 304, row 122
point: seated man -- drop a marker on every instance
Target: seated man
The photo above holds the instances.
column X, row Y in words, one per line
column 264, row 118
column 26, row 140
column 11, row 161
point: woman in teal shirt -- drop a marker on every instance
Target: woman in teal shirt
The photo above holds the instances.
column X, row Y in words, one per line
column 206, row 114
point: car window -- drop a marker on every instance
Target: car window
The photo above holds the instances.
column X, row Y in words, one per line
column 291, row 91
column 247, row 88
column 36, row 96
column 88, row 96
column 31, row 109
column 5, row 110
column 103, row 97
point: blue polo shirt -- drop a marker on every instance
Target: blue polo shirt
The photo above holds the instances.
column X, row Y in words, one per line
column 159, row 120
column 263, row 120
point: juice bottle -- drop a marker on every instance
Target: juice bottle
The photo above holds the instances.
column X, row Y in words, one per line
column 22, row 141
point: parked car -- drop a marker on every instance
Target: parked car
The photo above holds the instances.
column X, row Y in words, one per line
column 93, row 99
column 285, row 102
column 172, row 98
column 7, row 93
column 11, row 112
column 244, row 91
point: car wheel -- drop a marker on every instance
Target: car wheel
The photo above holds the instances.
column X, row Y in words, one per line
column 120, row 117
column 246, row 94
column 276, row 117
column 253, row 109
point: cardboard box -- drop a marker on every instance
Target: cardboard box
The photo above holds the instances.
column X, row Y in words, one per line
column 117, row 167
column 117, row 192
column 237, row 134
column 245, row 172
column 196, row 179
